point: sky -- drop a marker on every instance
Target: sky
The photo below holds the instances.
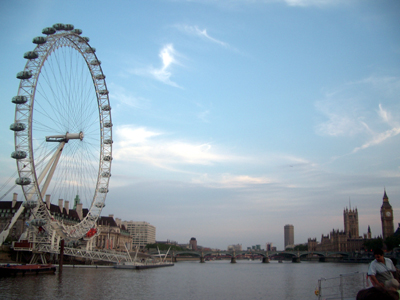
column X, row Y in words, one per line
column 233, row 118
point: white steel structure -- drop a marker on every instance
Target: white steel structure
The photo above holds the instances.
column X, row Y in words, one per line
column 63, row 134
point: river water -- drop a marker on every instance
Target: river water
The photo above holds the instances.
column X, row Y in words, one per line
column 186, row 280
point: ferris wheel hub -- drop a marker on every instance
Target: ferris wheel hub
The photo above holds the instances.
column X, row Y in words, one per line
column 65, row 138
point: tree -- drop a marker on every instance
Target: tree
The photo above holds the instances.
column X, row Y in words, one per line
column 301, row 248
column 392, row 242
column 373, row 244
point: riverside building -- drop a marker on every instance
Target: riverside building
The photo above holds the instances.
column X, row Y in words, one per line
column 142, row 233
column 348, row 240
column 289, row 235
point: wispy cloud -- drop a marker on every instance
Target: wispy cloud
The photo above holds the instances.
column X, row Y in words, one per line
column 231, row 181
column 380, row 137
column 305, row 3
column 121, row 96
column 202, row 33
column 344, row 117
column 163, row 74
column 350, row 113
column 299, row 3
column 203, row 116
column 153, row 147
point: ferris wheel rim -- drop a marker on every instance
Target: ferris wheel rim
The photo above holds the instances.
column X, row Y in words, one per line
column 28, row 178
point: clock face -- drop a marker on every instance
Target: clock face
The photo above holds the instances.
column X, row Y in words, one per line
column 388, row 213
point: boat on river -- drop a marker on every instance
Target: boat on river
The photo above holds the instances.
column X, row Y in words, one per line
column 142, row 265
column 36, row 269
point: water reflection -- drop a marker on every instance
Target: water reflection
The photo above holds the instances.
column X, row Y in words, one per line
column 186, row 280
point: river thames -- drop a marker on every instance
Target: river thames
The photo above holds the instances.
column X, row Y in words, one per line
column 186, row 280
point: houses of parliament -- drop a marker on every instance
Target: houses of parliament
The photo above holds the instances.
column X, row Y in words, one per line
column 349, row 239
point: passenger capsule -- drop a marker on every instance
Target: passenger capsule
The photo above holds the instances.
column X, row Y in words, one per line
column 77, row 31
column 103, row 190
column 17, row 126
column 107, row 158
column 59, row 26
column 29, row 204
column 19, row 154
column 106, row 108
column 39, row 40
column 108, row 142
column 100, row 205
column 68, row 27
column 108, row 125
column 90, row 50
column 38, row 222
column 86, row 39
column 31, row 55
column 100, row 76
column 103, row 92
column 23, row 181
column 95, row 62
column 19, row 99
column 106, row 174
column 24, row 75
column 48, row 30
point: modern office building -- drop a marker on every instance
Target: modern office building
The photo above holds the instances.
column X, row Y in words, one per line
column 289, row 235
column 193, row 244
column 269, row 247
column 142, row 233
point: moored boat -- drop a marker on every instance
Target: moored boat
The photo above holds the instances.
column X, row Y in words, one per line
column 154, row 265
column 14, row 270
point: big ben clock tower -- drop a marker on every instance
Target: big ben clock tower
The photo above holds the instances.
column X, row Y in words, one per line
column 386, row 217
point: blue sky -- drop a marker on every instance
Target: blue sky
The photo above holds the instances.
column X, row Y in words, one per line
column 234, row 118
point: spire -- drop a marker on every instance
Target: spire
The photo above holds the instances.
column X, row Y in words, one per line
column 385, row 197
column 76, row 201
column 369, row 229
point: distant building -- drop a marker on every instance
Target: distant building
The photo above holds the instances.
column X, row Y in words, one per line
column 193, row 244
column 386, row 217
column 113, row 236
column 289, row 235
column 347, row 240
column 7, row 211
column 350, row 219
column 59, row 212
column 142, row 233
column 237, row 247
column 268, row 246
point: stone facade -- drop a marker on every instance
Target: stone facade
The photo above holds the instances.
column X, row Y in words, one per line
column 386, row 217
column 112, row 236
column 346, row 240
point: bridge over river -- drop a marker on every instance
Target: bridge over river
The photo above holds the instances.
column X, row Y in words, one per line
column 266, row 256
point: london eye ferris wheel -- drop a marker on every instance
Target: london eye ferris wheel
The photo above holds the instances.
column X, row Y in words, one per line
column 63, row 130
